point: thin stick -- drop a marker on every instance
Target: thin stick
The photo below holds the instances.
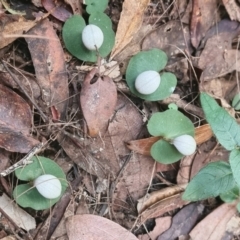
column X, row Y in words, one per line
column 45, row 118
column 24, row 161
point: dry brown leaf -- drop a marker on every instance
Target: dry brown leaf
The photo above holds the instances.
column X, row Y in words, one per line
column 142, row 146
column 204, row 16
column 87, row 226
column 203, row 133
column 163, row 206
column 98, row 101
column 16, row 28
column 173, row 38
column 157, row 196
column 217, row 58
column 48, row 60
column 184, row 171
column 162, row 224
column 214, row 224
column 130, row 22
column 15, row 122
column 20, row 218
column 183, row 221
column 233, row 9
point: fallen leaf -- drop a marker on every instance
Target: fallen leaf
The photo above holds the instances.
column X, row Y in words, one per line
column 173, row 38
column 161, row 207
column 232, row 8
column 157, row 196
column 204, row 16
column 98, row 100
column 183, row 221
column 21, row 218
column 58, row 9
column 110, row 69
column 129, row 23
column 214, row 224
column 203, row 133
column 4, row 160
column 11, row 28
column 142, row 146
column 15, row 122
column 48, row 60
column 87, row 226
column 162, row 224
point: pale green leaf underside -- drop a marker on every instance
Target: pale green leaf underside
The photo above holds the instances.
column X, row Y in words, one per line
column 156, row 60
column 164, row 152
column 170, row 124
column 234, row 160
column 211, row 181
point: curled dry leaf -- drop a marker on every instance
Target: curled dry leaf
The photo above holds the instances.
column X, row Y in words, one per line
column 129, row 24
column 89, row 226
column 98, row 101
column 15, row 122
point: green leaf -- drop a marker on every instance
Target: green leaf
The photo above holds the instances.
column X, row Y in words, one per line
column 223, row 125
column 25, row 194
column 238, row 207
column 230, row 195
column 234, row 160
column 236, row 102
column 211, row 181
column 72, row 36
column 155, row 60
column 170, row 124
column 28, row 196
column 104, row 22
column 94, row 6
column 164, row 152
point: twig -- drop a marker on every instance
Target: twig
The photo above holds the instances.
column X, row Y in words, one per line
column 24, row 161
column 45, row 118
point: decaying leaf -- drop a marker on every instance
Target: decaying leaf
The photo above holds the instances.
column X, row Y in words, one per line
column 204, row 16
column 130, row 22
column 183, row 221
column 173, row 38
column 58, row 9
column 162, row 206
column 214, row 224
column 98, row 100
column 17, row 28
column 48, row 59
column 16, row 214
column 89, row 226
column 157, row 196
column 15, row 122
column 233, row 9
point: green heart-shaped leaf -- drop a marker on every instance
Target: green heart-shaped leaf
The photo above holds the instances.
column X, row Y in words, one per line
column 164, row 152
column 72, row 36
column 94, row 6
column 170, row 124
column 155, row 60
column 26, row 195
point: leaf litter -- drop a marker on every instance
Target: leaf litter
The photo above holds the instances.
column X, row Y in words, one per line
column 102, row 129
